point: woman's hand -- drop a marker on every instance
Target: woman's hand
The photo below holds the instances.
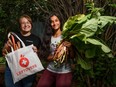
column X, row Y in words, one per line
column 35, row 49
column 50, row 57
column 7, row 47
column 64, row 47
column 66, row 43
column 63, row 51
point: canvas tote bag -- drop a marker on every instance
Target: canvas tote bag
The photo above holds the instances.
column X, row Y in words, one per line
column 23, row 62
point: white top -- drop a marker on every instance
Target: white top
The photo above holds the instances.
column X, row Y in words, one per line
column 54, row 43
column 64, row 68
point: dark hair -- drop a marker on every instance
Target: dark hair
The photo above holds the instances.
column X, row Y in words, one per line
column 49, row 20
column 47, row 34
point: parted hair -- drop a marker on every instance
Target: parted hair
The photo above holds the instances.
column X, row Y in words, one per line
column 48, row 33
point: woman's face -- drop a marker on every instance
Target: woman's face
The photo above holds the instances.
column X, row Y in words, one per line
column 25, row 25
column 55, row 22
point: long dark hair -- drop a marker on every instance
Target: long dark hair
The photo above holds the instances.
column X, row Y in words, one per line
column 45, row 50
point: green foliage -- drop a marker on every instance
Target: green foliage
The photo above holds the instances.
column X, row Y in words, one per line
column 86, row 28
column 2, row 30
column 2, row 60
column 112, row 5
column 92, row 53
column 10, row 11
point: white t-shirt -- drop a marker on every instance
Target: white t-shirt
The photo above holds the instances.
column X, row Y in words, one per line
column 65, row 67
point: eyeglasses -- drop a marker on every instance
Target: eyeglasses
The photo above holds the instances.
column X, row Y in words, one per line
column 25, row 23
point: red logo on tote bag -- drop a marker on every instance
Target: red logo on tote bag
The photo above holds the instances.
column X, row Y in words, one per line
column 24, row 62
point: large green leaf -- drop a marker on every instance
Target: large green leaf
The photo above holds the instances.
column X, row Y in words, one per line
column 71, row 21
column 105, row 48
column 89, row 28
column 109, row 19
column 84, row 64
column 104, row 20
column 79, row 36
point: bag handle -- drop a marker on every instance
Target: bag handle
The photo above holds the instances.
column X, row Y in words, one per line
column 12, row 33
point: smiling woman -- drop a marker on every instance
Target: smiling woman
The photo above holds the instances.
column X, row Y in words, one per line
column 60, row 75
column 25, row 25
column 28, row 38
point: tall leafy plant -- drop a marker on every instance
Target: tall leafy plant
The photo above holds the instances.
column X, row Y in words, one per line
column 92, row 52
column 83, row 32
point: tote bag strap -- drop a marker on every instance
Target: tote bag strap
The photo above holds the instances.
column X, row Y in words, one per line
column 12, row 33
